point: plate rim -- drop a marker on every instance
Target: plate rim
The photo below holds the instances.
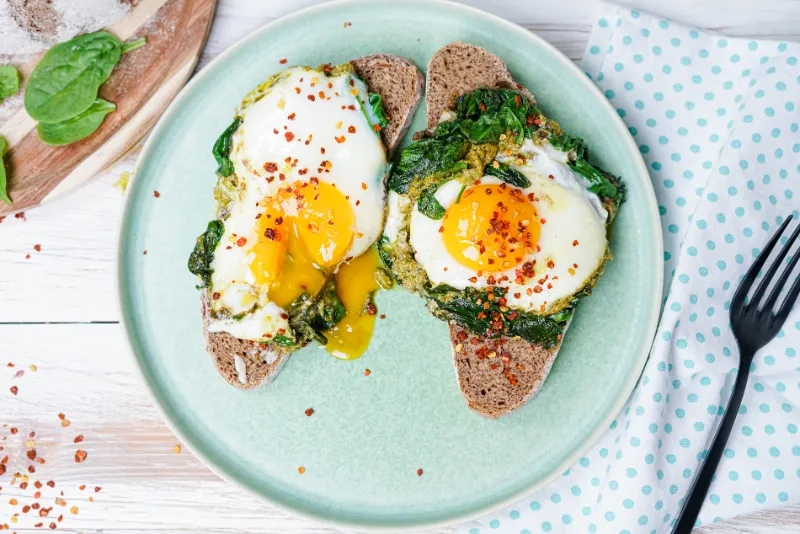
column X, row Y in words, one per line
column 625, row 391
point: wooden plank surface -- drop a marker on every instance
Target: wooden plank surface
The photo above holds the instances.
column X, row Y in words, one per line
column 82, row 367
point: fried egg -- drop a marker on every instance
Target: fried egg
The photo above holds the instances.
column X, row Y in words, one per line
column 544, row 242
column 306, row 198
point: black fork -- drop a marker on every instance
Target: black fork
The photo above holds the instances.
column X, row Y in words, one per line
column 755, row 322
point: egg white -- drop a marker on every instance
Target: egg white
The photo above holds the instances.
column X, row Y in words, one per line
column 572, row 214
column 358, row 167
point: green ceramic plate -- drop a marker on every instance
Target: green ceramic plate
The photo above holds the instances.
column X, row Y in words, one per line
column 369, row 435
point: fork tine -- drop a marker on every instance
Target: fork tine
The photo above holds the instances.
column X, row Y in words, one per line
column 752, row 272
column 786, row 307
column 776, row 263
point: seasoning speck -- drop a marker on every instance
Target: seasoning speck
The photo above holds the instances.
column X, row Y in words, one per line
column 80, row 456
column 367, row 372
column 282, row 61
column 177, row 449
column 301, row 469
column 156, row 194
column 419, row 472
column 310, row 412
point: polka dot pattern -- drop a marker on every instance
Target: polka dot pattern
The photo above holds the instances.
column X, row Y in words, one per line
column 716, row 121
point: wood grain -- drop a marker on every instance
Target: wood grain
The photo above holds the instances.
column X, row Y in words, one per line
column 83, row 369
column 175, row 35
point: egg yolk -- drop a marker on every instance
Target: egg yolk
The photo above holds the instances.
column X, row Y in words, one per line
column 304, row 230
column 355, row 284
column 491, row 228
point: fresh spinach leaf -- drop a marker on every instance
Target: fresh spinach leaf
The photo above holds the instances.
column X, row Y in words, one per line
column 376, row 104
column 222, row 148
column 429, row 206
column 507, row 174
column 429, row 156
column 203, row 253
column 468, row 308
column 3, row 179
column 66, row 80
column 9, row 81
column 283, row 340
column 78, row 127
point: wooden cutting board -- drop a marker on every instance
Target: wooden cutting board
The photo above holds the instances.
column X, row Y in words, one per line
column 142, row 85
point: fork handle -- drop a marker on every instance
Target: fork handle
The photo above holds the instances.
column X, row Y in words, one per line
column 697, row 492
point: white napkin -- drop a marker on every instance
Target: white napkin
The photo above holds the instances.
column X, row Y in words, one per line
column 716, row 120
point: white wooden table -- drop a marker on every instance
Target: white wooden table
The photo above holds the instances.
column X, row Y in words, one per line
column 58, row 313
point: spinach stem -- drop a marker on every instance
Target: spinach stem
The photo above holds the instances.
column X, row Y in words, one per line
column 133, row 45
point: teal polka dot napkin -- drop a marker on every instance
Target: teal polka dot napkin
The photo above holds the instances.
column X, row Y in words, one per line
column 716, row 120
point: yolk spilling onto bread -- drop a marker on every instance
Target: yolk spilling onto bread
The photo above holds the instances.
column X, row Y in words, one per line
column 355, row 285
column 303, row 230
column 491, row 228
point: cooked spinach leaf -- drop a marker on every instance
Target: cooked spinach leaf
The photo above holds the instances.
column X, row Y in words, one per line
column 203, row 253
column 600, row 182
column 429, row 206
column 9, row 81
column 376, row 104
column 78, row 127
column 383, row 252
column 3, row 180
column 283, row 340
column 507, row 174
column 496, row 112
column 310, row 316
column 222, row 148
column 66, row 80
column 429, row 156
column 468, row 308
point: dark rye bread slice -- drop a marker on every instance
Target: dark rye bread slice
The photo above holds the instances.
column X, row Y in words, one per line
column 400, row 84
column 496, row 376
column 459, row 68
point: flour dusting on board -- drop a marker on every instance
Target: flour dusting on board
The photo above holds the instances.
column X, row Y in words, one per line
column 31, row 26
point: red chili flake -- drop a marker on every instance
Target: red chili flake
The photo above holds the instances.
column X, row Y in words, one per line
column 31, row 454
column 37, row 248
column 79, row 437
column 27, row 256
column 367, row 372
column 144, row 253
column 283, row 61
column 310, row 412
column 575, row 243
column 14, row 390
column 241, row 241
column 215, row 296
column 51, row 484
column 80, row 456
column 52, row 526
column 270, row 166
column 383, row 316
column 419, row 471
column 377, row 128
column 351, row 129
column 20, row 215
column 289, row 136
column 537, row 121
column 156, row 194
column 97, row 489
column 20, row 373
column 340, row 140
column 312, row 97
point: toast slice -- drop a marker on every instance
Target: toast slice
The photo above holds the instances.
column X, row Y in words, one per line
column 400, row 84
column 249, row 365
column 495, row 376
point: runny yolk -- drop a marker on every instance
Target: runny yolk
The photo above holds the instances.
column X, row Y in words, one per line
column 355, row 284
column 491, row 228
column 304, row 229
